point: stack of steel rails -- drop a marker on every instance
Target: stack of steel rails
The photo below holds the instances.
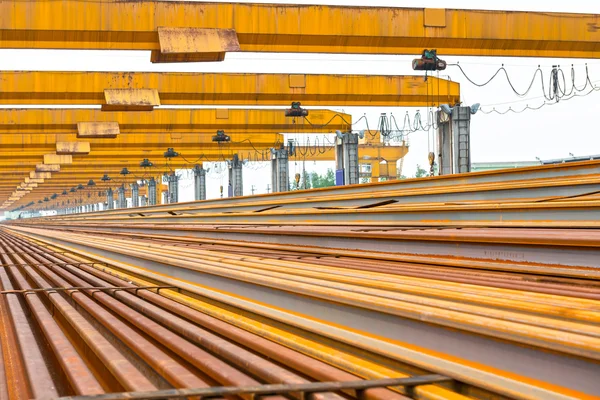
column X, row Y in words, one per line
column 482, row 286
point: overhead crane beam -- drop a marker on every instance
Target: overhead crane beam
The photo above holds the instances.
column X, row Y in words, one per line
column 197, row 31
column 94, row 166
column 43, row 122
column 131, row 158
column 145, row 90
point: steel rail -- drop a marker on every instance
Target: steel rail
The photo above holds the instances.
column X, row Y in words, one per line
column 524, row 191
column 565, row 252
column 322, row 286
column 572, row 170
column 33, row 258
column 121, row 265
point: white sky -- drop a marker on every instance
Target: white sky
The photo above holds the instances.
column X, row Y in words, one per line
column 552, row 132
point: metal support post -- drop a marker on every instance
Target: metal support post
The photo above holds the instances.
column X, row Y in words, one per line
column 454, row 141
column 172, row 180
column 346, row 159
column 280, row 171
column 235, row 177
column 110, row 200
column 199, row 183
column 152, row 192
column 135, row 195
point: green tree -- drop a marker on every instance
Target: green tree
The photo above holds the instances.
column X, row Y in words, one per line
column 321, row 181
column 421, row 172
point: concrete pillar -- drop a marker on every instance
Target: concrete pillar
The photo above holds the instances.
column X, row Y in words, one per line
column 110, row 200
column 454, row 141
column 172, row 181
column 280, row 170
column 236, row 184
column 152, row 192
column 121, row 202
column 199, row 183
column 346, row 160
column 135, row 195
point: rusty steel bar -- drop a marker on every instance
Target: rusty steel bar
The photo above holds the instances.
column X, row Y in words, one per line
column 35, row 368
column 306, row 388
column 269, row 349
column 371, row 394
column 121, row 246
column 73, row 288
column 77, row 372
column 109, row 360
column 237, row 356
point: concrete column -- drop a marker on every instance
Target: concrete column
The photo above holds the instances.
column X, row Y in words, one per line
column 199, row 183
column 454, row 141
column 152, row 192
column 346, row 160
column 172, row 181
column 235, row 177
column 121, row 202
column 135, row 195
column 280, row 171
column 110, row 199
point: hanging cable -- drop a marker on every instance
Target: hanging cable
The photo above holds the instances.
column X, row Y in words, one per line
column 553, row 92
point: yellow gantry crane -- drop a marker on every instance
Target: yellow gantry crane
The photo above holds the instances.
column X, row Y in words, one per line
column 47, row 151
column 125, row 93
column 199, row 31
column 142, row 91
column 196, row 31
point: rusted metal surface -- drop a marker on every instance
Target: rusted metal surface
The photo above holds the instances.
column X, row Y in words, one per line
column 188, row 356
column 130, row 99
column 194, row 44
column 306, row 389
column 542, row 308
column 98, row 129
column 72, row 148
column 212, row 294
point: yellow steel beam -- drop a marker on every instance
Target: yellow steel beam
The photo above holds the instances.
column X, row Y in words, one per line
column 131, row 158
column 165, row 120
column 77, row 88
column 195, row 31
column 24, row 146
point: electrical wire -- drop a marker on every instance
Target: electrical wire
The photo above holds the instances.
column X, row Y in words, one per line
column 529, row 108
column 553, row 92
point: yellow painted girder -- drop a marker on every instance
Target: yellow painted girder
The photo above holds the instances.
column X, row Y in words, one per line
column 47, row 142
column 131, row 158
column 133, row 25
column 78, row 88
column 135, row 146
column 171, row 120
